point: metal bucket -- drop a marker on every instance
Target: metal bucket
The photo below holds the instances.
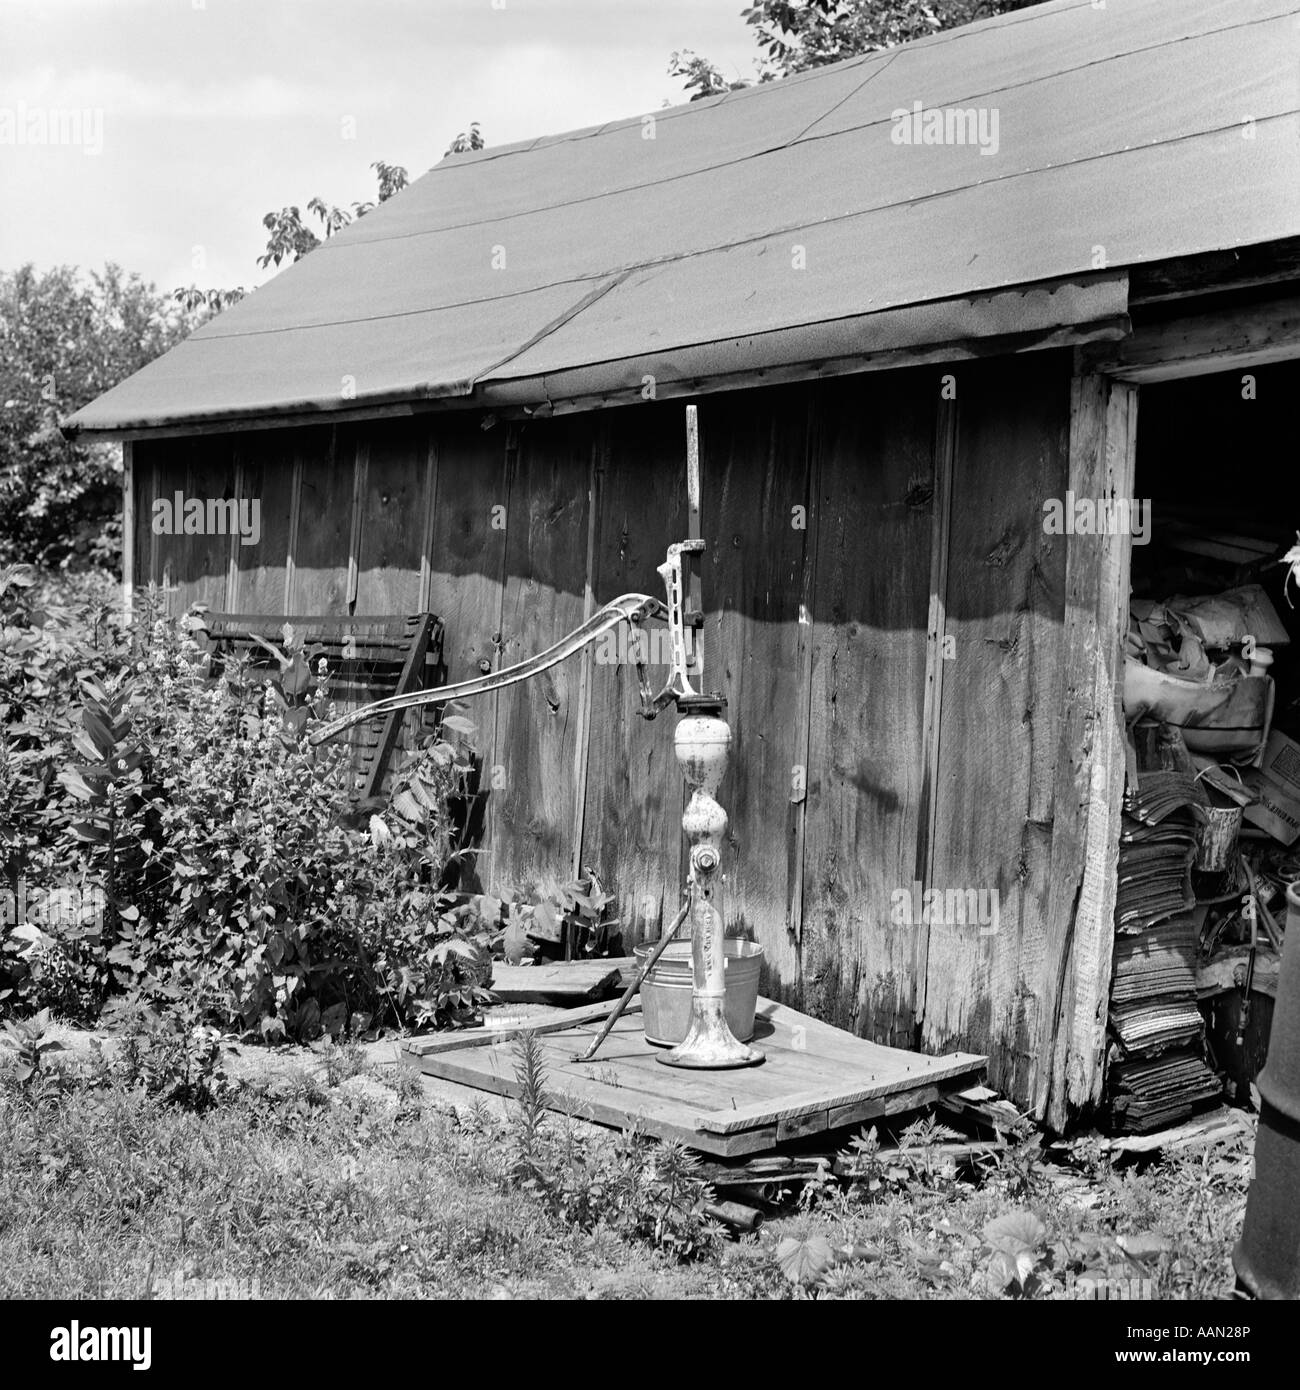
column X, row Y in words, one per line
column 666, row 991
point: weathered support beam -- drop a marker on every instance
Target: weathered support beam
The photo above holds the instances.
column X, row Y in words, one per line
column 1248, row 335
column 1089, row 780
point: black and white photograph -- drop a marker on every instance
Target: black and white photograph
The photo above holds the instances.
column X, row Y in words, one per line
column 649, row 653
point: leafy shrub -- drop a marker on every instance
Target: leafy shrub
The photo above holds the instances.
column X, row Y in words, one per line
column 216, row 856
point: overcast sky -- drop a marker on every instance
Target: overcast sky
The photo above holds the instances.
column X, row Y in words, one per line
column 212, row 112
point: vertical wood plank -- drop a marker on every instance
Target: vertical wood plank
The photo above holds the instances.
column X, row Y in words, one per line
column 797, row 813
column 633, row 804
column 393, row 508
column 361, row 462
column 538, row 724
column 755, row 475
column 1090, row 760
column 430, row 502
column 128, row 528
column 295, row 515
column 325, row 526
column 239, row 447
column 870, row 603
column 945, row 445
column 582, row 742
column 203, row 468
column 999, row 720
column 467, row 571
column 148, row 483
column 267, row 465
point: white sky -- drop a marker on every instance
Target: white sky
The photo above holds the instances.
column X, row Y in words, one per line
column 214, row 112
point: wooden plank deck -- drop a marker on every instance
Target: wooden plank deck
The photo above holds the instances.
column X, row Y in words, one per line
column 815, row 1078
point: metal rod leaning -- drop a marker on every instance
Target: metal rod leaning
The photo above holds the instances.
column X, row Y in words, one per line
column 641, row 974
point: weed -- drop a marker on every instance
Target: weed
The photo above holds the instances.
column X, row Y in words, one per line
column 28, row 1041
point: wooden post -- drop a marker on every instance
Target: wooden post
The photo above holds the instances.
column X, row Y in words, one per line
column 1089, row 779
column 232, row 564
column 360, row 468
column 945, row 453
column 295, row 514
column 430, row 506
column 694, row 599
column 582, row 744
column 807, row 632
column 128, row 528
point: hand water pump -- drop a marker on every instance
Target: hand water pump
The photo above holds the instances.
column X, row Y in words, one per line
column 701, row 743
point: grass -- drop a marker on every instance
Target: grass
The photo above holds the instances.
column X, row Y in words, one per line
column 328, row 1185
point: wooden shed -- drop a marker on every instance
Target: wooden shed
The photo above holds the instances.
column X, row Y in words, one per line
column 904, row 335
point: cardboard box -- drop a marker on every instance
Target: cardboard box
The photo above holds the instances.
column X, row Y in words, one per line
column 1278, row 786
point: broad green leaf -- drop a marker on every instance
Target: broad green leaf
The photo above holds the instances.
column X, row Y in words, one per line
column 804, row 1261
column 1015, row 1231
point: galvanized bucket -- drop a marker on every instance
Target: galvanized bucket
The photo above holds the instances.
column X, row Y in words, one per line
column 666, row 991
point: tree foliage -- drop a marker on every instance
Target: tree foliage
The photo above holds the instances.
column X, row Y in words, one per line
column 66, row 337
column 795, row 35
column 289, row 238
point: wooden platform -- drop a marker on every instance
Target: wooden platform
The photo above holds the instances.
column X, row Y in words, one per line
column 815, row 1077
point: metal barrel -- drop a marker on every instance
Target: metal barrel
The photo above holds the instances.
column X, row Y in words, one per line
column 1267, row 1256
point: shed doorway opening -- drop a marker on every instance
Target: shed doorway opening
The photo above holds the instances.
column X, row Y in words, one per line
column 1210, row 834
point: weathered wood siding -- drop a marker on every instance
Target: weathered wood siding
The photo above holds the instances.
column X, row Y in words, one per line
column 883, row 612
column 1000, row 713
column 865, row 763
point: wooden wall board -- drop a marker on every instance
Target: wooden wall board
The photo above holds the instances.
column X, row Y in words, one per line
column 869, row 612
column 538, row 726
column 755, row 462
column 633, row 802
column 325, row 527
column 148, row 459
column 394, row 504
column 1000, row 713
column 195, row 568
column 266, row 476
column 467, row 560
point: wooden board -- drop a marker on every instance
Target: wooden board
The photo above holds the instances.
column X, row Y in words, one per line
column 325, row 527
column 467, row 545
column 633, row 802
column 266, row 477
column 394, row 503
column 1090, row 762
column 866, row 758
column 534, row 807
column 580, row 980
column 1000, row 713
column 197, row 566
column 754, row 462
column 814, row 1077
